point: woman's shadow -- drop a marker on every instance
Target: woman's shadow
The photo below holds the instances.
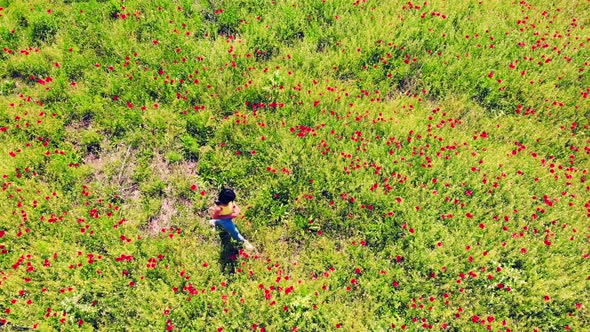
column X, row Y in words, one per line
column 228, row 255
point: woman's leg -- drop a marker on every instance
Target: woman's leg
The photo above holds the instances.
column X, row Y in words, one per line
column 231, row 228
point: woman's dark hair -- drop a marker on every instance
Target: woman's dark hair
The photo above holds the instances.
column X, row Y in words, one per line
column 226, row 196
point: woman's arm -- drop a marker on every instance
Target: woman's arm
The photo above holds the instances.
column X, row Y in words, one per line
column 236, row 211
column 214, row 210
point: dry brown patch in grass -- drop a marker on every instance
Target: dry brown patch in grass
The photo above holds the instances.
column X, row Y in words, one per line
column 115, row 168
column 163, row 219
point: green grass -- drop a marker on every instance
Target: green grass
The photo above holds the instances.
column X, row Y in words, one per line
column 399, row 165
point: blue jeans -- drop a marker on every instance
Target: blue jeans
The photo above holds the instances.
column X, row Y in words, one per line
column 230, row 227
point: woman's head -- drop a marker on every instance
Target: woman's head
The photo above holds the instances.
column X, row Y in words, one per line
column 226, row 196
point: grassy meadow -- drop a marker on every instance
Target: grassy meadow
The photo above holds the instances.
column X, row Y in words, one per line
column 401, row 166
